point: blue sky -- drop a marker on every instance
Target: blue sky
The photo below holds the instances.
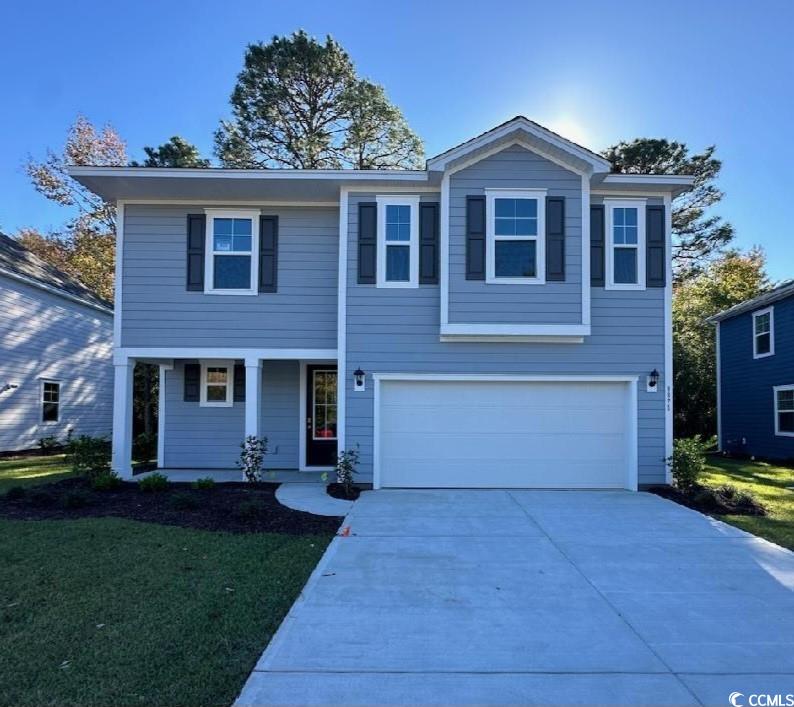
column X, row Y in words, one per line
column 703, row 72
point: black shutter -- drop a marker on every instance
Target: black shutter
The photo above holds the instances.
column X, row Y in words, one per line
column 196, row 234
column 597, row 246
column 655, row 260
column 239, row 383
column 268, row 253
column 555, row 238
column 428, row 243
column 367, row 242
column 475, row 237
column 192, row 382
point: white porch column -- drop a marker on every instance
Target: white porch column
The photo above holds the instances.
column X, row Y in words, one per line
column 121, row 460
column 253, row 393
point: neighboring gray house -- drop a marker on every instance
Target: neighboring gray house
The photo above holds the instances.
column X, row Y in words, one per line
column 56, row 348
column 498, row 319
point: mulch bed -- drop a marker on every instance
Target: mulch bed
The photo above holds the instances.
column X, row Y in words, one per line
column 338, row 491
column 233, row 508
column 712, row 501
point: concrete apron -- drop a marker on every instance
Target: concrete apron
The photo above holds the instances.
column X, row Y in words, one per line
column 543, row 597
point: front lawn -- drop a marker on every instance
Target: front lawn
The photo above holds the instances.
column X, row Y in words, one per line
column 30, row 471
column 107, row 610
column 768, row 483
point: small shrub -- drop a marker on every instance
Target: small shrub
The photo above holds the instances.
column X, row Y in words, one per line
column 184, row 501
column 49, row 444
column 346, row 468
column 144, row 447
column 153, row 483
column 204, row 484
column 248, row 510
column 41, row 498
column 106, row 481
column 16, row 493
column 75, row 499
column 251, row 457
column 89, row 455
column 687, row 462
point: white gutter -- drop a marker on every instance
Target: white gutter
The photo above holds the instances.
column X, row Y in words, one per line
column 54, row 291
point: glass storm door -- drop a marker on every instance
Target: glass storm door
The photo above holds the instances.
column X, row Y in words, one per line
column 321, row 415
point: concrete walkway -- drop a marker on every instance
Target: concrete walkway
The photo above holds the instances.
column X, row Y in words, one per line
column 542, row 597
column 312, row 498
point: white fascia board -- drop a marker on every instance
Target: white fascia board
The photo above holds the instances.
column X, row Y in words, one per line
column 122, row 355
column 598, row 164
column 540, row 333
column 263, row 174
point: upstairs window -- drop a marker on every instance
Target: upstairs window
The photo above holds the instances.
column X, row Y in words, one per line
column 50, row 401
column 626, row 245
column 233, row 250
column 784, row 410
column 515, row 229
column 398, row 246
column 216, row 384
column 763, row 333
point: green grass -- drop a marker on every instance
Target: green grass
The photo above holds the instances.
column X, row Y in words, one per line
column 109, row 611
column 29, row 471
column 105, row 611
column 767, row 483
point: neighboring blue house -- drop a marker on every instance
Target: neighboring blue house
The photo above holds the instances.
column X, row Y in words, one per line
column 56, row 349
column 755, row 375
column 500, row 318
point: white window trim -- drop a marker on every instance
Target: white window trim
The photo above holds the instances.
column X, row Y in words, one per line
column 42, row 381
column 413, row 243
column 229, row 366
column 490, row 236
column 771, row 312
column 209, row 259
column 611, row 205
column 775, row 390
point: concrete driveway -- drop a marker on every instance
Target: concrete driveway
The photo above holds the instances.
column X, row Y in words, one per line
column 549, row 597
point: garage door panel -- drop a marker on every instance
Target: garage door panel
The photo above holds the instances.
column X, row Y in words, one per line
column 494, row 420
column 508, row 434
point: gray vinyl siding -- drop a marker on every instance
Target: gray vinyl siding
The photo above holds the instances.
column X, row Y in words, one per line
column 158, row 311
column 209, row 437
column 44, row 336
column 397, row 331
column 474, row 301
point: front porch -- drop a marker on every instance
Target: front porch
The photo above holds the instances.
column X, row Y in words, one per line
column 210, row 401
column 221, row 476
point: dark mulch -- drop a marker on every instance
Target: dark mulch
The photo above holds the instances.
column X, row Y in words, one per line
column 722, row 500
column 338, row 491
column 233, row 508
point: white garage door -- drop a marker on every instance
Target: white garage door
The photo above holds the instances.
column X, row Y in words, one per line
column 509, row 434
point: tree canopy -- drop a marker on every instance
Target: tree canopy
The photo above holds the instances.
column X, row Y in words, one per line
column 724, row 282
column 299, row 103
column 698, row 234
column 177, row 152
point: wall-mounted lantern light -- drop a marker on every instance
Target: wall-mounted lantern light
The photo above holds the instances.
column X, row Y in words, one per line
column 652, row 384
column 359, row 380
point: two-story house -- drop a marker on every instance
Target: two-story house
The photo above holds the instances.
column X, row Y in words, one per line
column 755, row 375
column 498, row 319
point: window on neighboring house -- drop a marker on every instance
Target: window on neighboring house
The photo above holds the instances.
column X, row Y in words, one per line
column 763, row 333
column 626, row 241
column 515, row 230
column 398, row 236
column 233, row 249
column 50, row 401
column 216, row 384
column 784, row 410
